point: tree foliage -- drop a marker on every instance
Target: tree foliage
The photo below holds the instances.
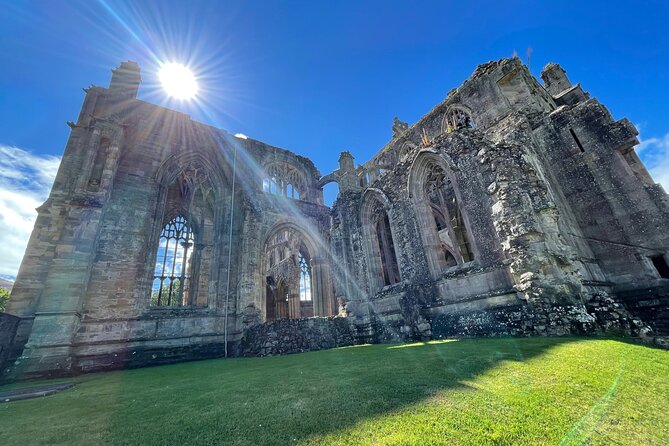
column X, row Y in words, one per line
column 4, row 298
column 172, row 299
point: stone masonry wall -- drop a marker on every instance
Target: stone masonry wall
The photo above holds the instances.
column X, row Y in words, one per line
column 563, row 222
column 298, row 335
column 516, row 171
column 8, row 326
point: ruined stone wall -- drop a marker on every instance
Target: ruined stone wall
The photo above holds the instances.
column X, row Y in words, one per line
column 563, row 215
column 623, row 219
column 128, row 168
column 551, row 225
column 298, row 335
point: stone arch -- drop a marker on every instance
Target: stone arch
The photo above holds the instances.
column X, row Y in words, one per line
column 191, row 187
column 456, row 118
column 442, row 221
column 295, row 241
column 177, row 163
column 379, row 240
column 405, row 149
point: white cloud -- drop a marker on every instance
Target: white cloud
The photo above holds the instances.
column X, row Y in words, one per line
column 654, row 152
column 25, row 181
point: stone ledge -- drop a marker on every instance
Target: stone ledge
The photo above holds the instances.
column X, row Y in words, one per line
column 33, row 392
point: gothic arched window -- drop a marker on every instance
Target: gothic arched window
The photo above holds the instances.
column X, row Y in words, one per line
column 448, row 219
column 457, row 119
column 379, row 248
column 405, row 149
column 305, row 277
column 288, row 261
column 172, row 272
column 389, row 267
column 283, row 179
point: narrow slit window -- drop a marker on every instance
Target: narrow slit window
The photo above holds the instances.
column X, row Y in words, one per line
column 99, row 164
column 305, row 278
column 578, row 142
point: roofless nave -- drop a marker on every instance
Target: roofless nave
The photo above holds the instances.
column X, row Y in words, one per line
column 510, row 208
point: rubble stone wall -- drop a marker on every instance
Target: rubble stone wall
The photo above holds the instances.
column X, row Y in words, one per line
column 552, row 198
column 298, row 335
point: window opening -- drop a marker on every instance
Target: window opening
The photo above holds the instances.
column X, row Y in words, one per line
column 172, row 273
column 458, row 119
column 99, row 164
column 283, row 179
column 439, row 220
column 660, row 264
column 578, row 143
column 364, row 179
column 450, row 260
column 441, row 195
column 389, row 267
column 305, row 278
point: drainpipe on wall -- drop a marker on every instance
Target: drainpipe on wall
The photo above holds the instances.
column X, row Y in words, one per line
column 232, row 212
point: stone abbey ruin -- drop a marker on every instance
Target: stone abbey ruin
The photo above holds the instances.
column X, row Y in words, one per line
column 511, row 208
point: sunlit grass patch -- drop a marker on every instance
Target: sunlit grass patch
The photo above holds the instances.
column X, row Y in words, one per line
column 422, row 344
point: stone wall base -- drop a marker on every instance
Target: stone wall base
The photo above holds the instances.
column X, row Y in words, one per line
column 8, row 326
column 144, row 356
column 298, row 335
column 601, row 314
column 36, row 364
column 650, row 305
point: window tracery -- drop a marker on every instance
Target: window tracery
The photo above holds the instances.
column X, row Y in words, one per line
column 448, row 217
column 405, row 150
column 172, row 271
column 283, row 179
column 386, row 246
column 457, row 119
column 305, row 278
column 288, row 262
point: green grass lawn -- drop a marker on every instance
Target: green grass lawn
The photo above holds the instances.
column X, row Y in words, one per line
column 566, row 391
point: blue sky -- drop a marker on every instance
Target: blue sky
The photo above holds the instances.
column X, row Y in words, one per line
column 315, row 77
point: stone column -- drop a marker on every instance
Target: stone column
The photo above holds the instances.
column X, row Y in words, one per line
column 321, row 287
column 294, row 305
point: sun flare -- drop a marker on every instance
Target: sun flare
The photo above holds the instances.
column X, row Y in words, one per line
column 178, row 81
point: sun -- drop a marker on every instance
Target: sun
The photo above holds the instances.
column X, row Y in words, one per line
column 178, row 81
